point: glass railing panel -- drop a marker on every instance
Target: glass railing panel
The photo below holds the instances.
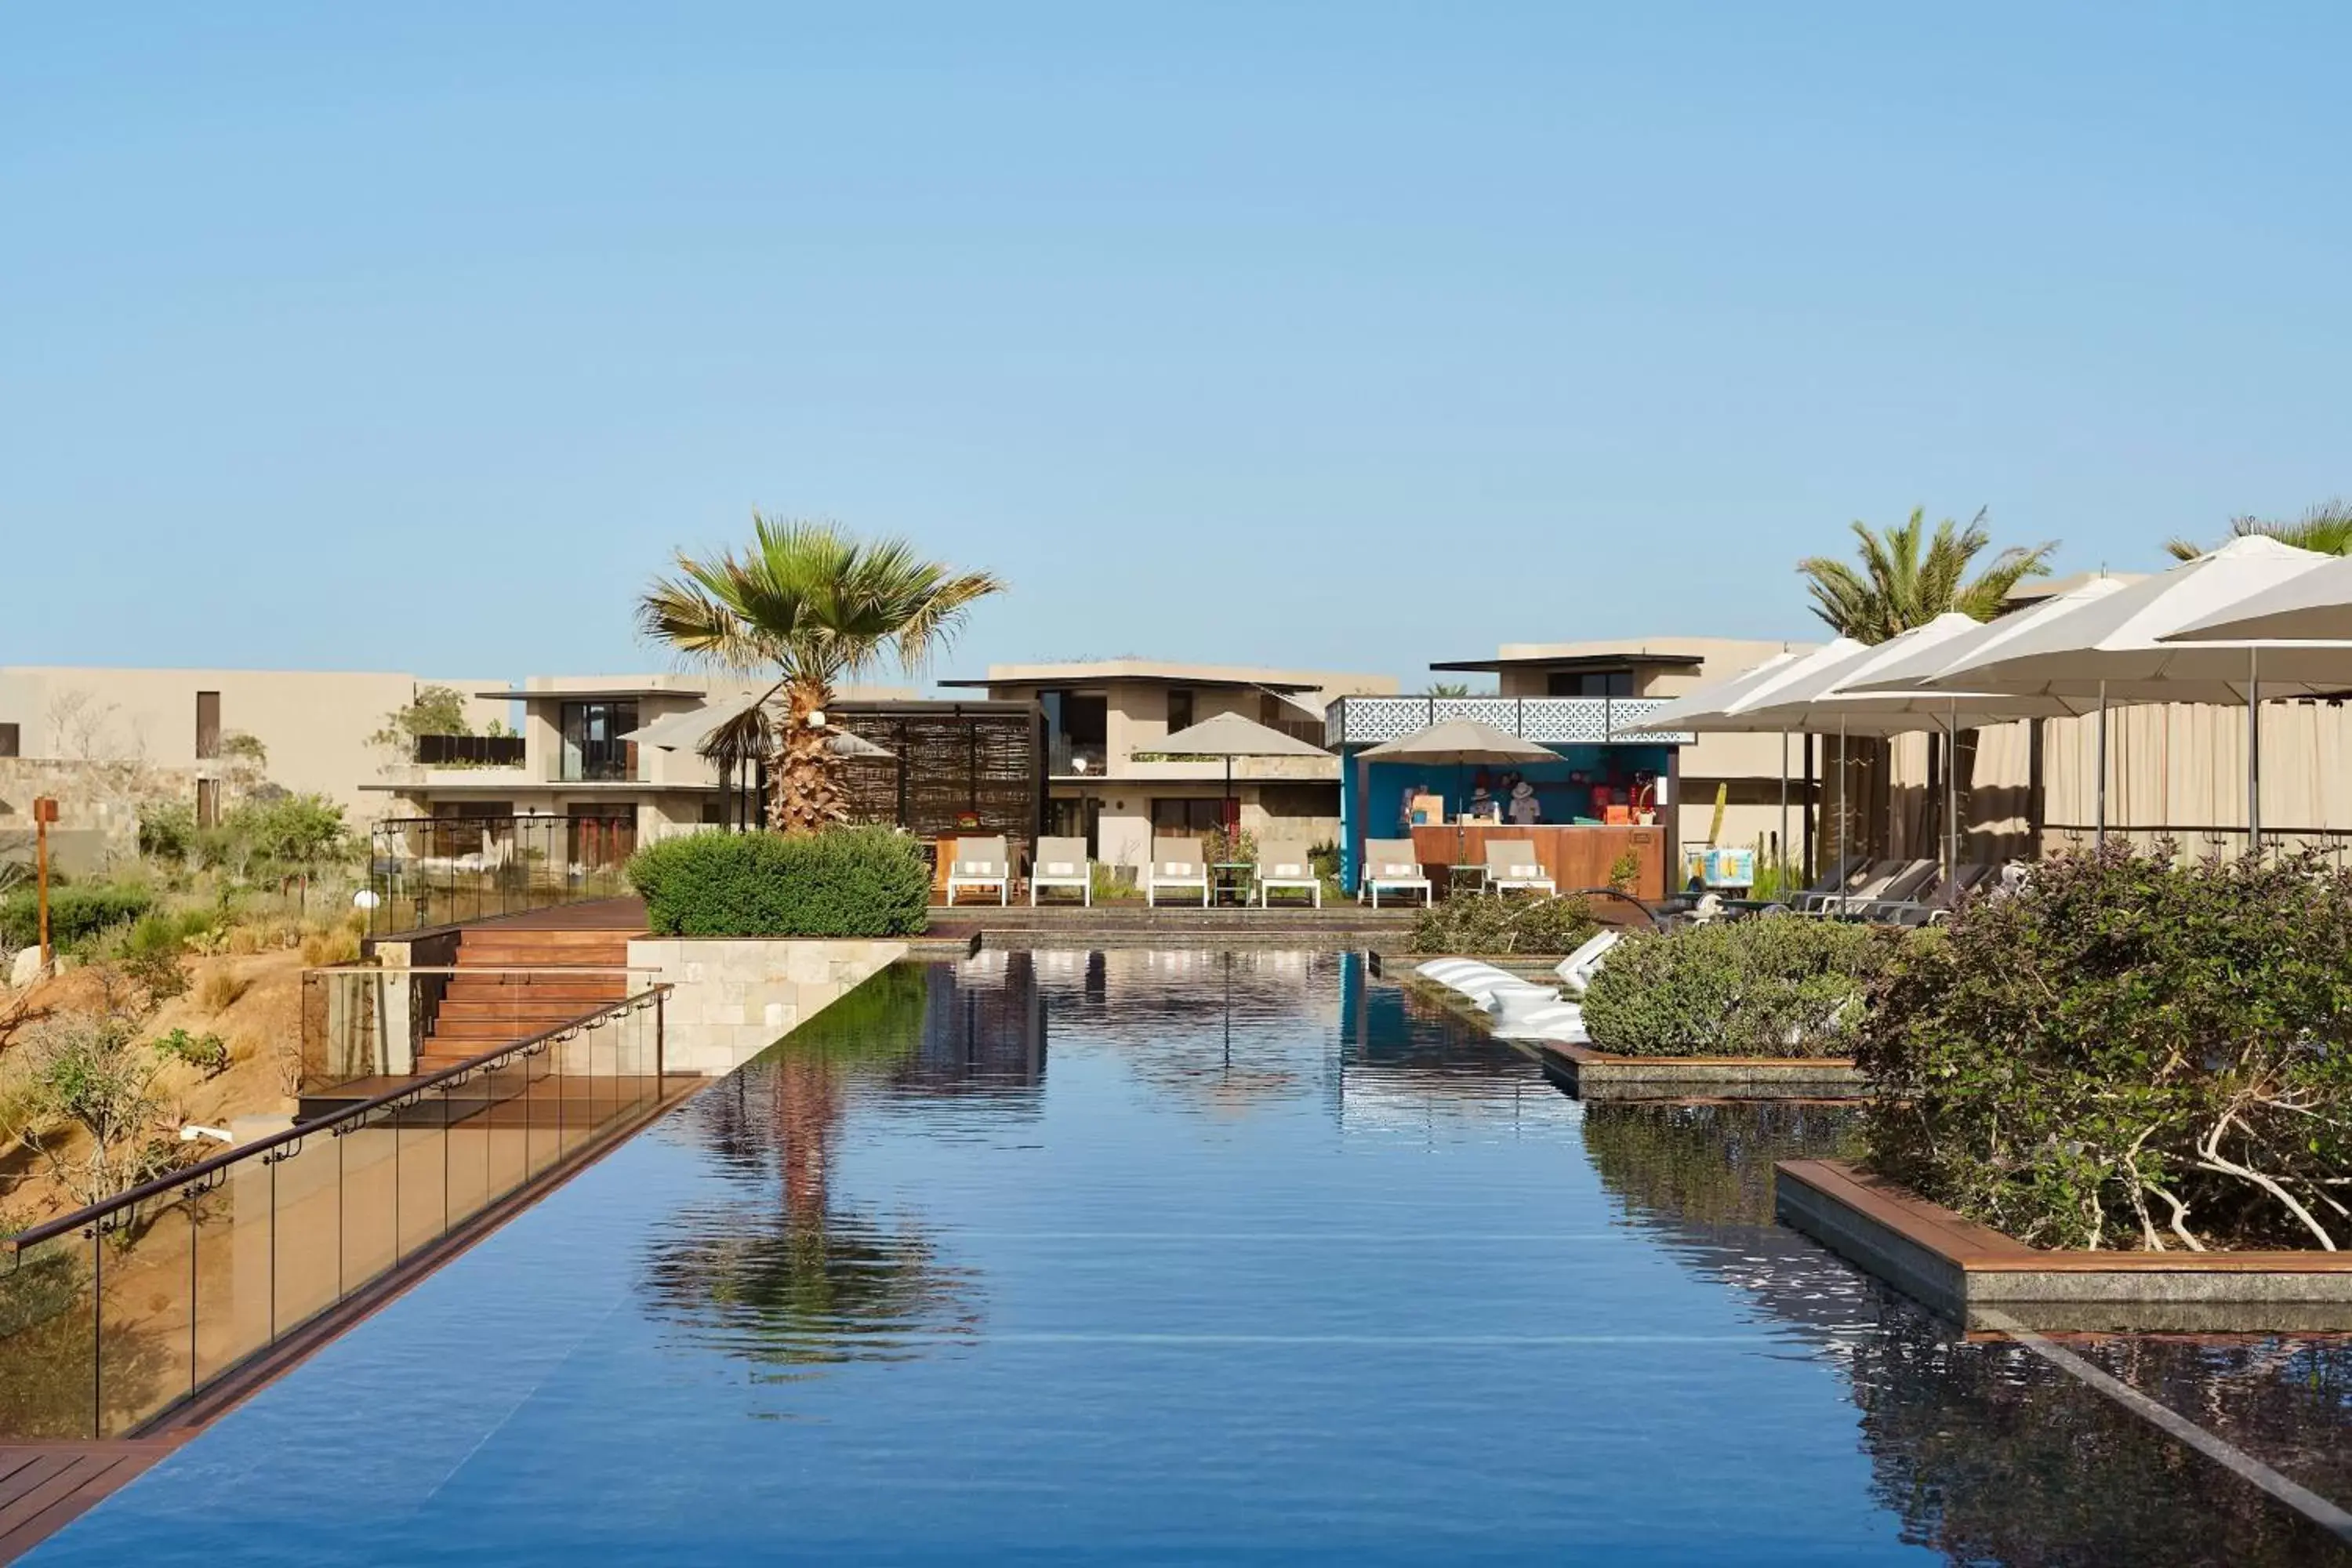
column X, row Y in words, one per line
column 306, row 1255
column 424, row 1165
column 147, row 1304
column 232, row 1242
column 368, row 1156
column 48, row 1340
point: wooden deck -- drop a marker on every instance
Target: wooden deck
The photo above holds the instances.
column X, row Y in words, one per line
column 44, row 1487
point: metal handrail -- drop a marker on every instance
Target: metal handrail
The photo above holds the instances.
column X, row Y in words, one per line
column 96, row 1215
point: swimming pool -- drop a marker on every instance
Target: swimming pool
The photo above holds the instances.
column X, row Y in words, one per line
column 1162, row 1256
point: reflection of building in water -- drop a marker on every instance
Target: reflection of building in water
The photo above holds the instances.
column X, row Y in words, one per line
column 983, row 1027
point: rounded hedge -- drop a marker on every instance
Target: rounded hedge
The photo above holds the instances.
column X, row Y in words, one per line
column 849, row 882
column 1772, row 986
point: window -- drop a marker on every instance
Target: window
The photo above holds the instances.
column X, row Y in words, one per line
column 208, row 803
column 1589, row 683
column 592, row 747
column 208, row 731
column 8, row 740
column 1180, row 708
column 1186, row 814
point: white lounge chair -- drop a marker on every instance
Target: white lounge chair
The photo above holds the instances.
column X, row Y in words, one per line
column 1512, row 863
column 1577, row 970
column 1286, row 866
column 1392, row 864
column 1062, row 863
column 981, row 863
column 1175, row 863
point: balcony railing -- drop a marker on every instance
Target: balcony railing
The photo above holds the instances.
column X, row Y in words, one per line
column 118, row 1312
column 426, row 872
column 1550, row 721
column 469, row 751
column 1076, row 759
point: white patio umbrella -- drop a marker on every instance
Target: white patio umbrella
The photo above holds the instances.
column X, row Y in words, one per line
column 2110, row 647
column 1229, row 735
column 2311, row 607
column 1715, row 700
column 1830, row 691
column 1715, row 711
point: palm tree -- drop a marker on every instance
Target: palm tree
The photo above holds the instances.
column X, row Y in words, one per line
column 1902, row 585
column 2326, row 528
column 812, row 606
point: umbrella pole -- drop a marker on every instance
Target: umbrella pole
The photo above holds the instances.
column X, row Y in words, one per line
column 1846, row 828
column 2099, row 822
column 1951, row 790
column 1781, row 850
column 2253, row 750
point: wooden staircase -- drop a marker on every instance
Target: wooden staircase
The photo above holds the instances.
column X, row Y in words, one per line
column 499, row 1005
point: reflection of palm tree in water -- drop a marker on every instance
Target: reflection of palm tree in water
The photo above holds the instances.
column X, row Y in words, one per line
column 810, row 1282
column 808, row 1112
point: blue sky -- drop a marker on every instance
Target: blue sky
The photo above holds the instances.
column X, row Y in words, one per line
column 417, row 336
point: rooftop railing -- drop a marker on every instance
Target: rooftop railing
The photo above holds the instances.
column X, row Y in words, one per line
column 469, row 751
column 114, row 1316
column 1550, row 721
column 427, row 871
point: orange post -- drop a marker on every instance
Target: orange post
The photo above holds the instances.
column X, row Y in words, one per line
column 45, row 811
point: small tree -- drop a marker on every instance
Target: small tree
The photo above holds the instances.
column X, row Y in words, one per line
column 87, row 1070
column 433, row 710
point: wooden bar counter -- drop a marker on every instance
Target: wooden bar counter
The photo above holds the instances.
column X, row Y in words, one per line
column 1574, row 856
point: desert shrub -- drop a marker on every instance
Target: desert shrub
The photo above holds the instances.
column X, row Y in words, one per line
column 336, row 944
column 849, row 882
column 1772, row 986
column 1503, row 925
column 2128, row 1052
column 149, row 956
column 207, row 1053
column 77, row 912
column 167, row 831
column 219, row 990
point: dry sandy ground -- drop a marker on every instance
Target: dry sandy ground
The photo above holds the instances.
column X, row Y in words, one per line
column 263, row 1022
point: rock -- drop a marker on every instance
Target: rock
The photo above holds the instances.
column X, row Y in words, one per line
column 26, row 968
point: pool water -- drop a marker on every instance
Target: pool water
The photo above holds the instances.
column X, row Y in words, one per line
column 1172, row 1257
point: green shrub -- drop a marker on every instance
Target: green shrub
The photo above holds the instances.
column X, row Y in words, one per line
column 167, row 830
column 2127, row 1052
column 851, row 881
column 1503, row 925
column 207, row 1052
column 1769, row 986
column 77, row 912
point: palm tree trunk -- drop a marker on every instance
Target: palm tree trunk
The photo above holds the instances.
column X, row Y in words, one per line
column 808, row 797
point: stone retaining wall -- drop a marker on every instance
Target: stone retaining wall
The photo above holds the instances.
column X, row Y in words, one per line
column 735, row 996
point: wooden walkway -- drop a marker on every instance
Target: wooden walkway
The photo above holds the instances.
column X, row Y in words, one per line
column 46, row 1486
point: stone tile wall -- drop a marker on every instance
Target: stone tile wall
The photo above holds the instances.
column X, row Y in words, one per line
column 736, row 997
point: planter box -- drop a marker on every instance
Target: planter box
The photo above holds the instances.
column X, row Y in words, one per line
column 1980, row 1279
column 1590, row 1073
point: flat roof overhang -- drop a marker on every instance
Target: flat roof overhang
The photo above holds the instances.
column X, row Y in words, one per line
column 1075, row 683
column 593, row 694
column 1579, row 661
column 493, row 788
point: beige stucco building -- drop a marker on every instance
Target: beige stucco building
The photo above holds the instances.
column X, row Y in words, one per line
column 1104, row 717
column 575, row 755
